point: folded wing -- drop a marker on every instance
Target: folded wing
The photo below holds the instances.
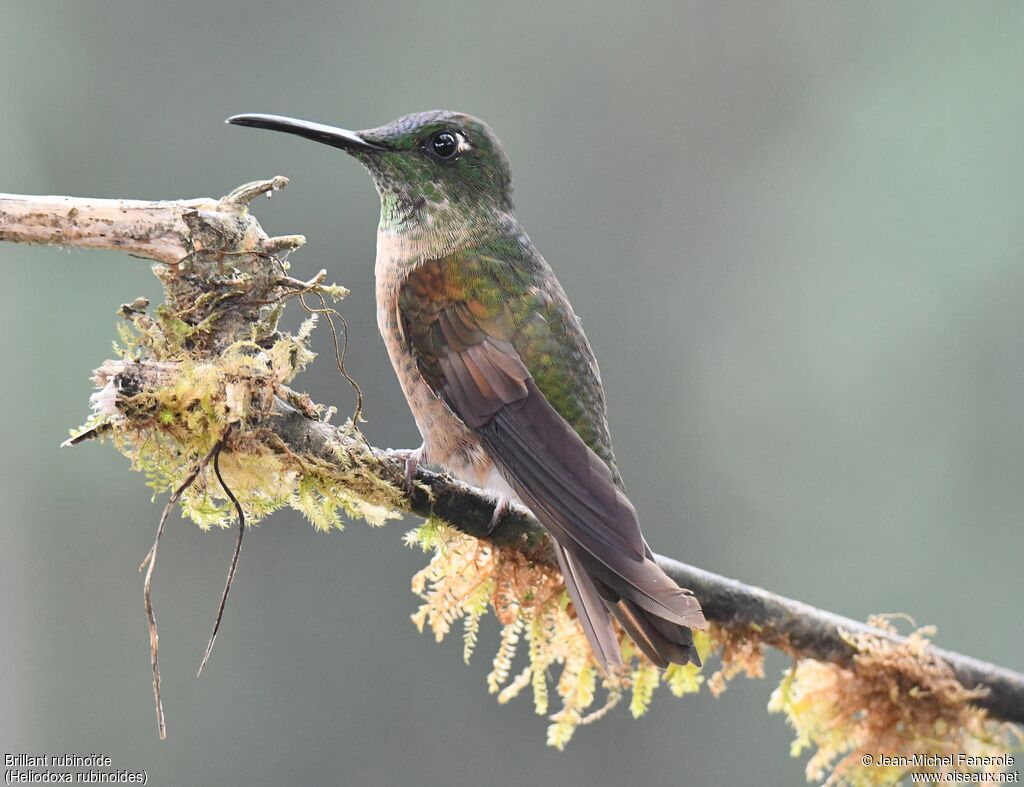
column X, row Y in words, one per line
column 466, row 353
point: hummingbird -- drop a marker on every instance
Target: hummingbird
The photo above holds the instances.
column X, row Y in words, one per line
column 499, row 375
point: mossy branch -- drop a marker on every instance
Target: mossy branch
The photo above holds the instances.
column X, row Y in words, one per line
column 208, row 374
column 794, row 627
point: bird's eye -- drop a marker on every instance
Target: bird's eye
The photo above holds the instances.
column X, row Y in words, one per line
column 444, row 144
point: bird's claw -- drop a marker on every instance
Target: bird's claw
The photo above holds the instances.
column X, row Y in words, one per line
column 500, row 508
column 411, row 458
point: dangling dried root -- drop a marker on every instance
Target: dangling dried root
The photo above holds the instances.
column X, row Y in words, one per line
column 234, row 558
column 149, row 563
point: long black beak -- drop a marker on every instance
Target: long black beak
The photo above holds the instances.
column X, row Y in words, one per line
column 328, row 135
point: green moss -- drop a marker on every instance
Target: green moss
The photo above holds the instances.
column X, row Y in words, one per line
column 186, row 398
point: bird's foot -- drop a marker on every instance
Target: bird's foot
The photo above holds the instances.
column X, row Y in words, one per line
column 412, row 458
column 503, row 504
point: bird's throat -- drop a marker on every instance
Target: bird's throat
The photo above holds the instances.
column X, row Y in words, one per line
column 412, row 233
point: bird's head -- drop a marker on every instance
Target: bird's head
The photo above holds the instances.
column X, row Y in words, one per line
column 430, row 168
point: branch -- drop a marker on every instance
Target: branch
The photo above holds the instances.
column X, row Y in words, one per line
column 221, row 274
column 164, row 231
column 213, row 253
column 791, row 626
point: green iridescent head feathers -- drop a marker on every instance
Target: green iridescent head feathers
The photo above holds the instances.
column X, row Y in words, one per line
column 426, row 164
column 437, row 160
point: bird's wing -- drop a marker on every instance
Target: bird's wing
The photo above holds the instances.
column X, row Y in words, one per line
column 480, row 341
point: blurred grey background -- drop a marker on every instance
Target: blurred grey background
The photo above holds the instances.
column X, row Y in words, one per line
column 793, row 231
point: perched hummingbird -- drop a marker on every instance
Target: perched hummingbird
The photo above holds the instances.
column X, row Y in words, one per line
column 499, row 375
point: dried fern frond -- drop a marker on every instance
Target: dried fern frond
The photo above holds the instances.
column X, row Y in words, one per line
column 898, row 710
